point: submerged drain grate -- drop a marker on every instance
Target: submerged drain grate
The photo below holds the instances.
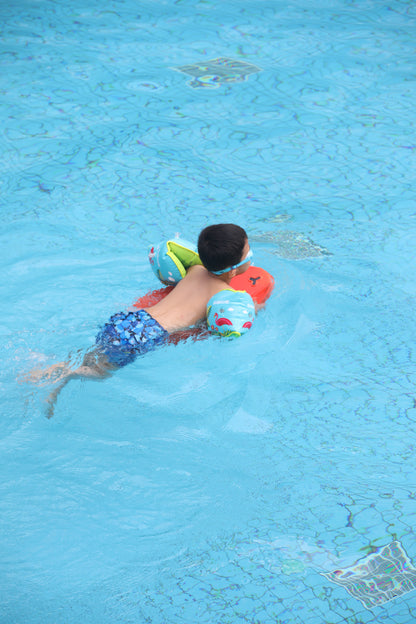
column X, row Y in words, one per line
column 217, row 71
column 379, row 577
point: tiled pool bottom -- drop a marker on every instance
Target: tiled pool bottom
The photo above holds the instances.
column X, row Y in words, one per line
column 250, row 578
column 244, row 579
column 252, row 581
column 237, row 586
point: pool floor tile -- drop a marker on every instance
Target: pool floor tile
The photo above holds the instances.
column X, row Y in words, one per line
column 378, row 577
column 217, row 71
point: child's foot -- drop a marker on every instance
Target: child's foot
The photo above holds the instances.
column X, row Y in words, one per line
column 44, row 376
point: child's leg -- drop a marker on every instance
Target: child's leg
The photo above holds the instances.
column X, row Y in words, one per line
column 94, row 366
column 43, row 376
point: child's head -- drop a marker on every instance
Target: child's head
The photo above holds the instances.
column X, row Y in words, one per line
column 222, row 246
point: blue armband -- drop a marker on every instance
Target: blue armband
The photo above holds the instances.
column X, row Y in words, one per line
column 230, row 313
column 170, row 260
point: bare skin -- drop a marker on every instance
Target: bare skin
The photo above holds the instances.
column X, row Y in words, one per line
column 186, row 304
column 183, row 307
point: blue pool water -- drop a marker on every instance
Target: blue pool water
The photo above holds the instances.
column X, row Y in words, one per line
column 269, row 479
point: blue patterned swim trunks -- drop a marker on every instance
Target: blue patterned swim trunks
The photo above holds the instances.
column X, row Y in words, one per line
column 129, row 334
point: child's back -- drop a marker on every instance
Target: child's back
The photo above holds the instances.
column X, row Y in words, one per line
column 186, row 304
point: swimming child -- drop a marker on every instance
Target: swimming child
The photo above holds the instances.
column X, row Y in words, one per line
column 224, row 251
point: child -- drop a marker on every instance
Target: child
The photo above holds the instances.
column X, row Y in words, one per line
column 224, row 252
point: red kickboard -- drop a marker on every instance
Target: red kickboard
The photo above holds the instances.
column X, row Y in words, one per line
column 257, row 282
column 153, row 297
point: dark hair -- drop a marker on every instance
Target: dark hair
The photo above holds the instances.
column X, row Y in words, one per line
column 220, row 246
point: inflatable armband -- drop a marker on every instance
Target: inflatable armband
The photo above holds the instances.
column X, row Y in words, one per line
column 170, row 259
column 230, row 313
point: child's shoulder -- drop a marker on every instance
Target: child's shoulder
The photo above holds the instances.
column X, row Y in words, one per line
column 196, row 271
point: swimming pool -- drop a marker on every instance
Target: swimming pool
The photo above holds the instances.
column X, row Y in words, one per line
column 268, row 479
